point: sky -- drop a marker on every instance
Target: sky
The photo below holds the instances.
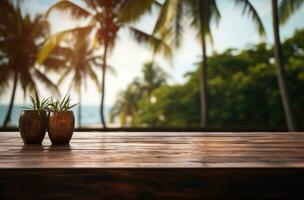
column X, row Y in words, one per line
column 128, row 57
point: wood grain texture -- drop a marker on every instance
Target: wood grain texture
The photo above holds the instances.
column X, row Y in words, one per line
column 129, row 165
column 159, row 150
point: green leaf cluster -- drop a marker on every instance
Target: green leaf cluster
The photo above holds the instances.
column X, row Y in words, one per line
column 39, row 105
column 49, row 104
column 242, row 91
column 61, row 106
column 125, row 107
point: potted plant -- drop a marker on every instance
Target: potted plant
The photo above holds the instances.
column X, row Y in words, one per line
column 61, row 121
column 33, row 121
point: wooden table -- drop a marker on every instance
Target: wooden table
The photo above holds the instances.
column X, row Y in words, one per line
column 127, row 165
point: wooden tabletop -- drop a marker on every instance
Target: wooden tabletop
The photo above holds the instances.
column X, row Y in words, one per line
column 157, row 150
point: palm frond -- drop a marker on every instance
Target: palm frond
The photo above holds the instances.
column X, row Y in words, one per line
column 71, row 8
column 4, row 78
column 165, row 17
column 63, row 76
column 249, row 9
column 156, row 44
column 287, row 8
column 58, row 58
column 112, row 70
column 27, row 82
column 178, row 23
column 208, row 12
column 78, row 80
column 41, row 28
column 62, row 51
column 44, row 79
column 49, row 45
column 216, row 15
column 132, row 10
column 54, row 40
column 53, row 63
column 202, row 13
column 94, row 77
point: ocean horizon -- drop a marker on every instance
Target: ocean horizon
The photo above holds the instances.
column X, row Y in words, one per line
column 90, row 115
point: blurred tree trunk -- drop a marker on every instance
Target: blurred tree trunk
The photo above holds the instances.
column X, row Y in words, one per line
column 203, row 85
column 281, row 69
column 10, row 108
column 104, row 66
column 79, row 107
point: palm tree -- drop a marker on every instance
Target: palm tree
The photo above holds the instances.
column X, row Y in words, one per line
column 126, row 105
column 81, row 61
column 106, row 18
column 200, row 14
column 286, row 8
column 19, row 46
column 153, row 77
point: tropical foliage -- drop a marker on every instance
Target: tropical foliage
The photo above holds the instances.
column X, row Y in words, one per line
column 81, row 63
column 105, row 19
column 21, row 39
column 175, row 16
column 266, row 80
column 153, row 76
column 243, row 91
column 287, row 8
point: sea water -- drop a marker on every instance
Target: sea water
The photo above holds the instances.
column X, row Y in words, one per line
column 90, row 114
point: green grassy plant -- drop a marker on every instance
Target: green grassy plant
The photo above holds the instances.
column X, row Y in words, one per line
column 60, row 106
column 37, row 104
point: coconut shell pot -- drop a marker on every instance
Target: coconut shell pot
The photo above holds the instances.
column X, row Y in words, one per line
column 61, row 127
column 32, row 126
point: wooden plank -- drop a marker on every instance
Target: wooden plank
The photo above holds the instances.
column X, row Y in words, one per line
column 126, row 165
column 174, row 134
column 160, row 183
column 127, row 149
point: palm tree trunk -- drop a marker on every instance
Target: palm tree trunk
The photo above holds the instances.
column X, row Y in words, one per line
column 79, row 107
column 10, row 108
column 203, row 85
column 281, row 69
column 104, row 66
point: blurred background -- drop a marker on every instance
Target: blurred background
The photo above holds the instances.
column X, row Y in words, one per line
column 217, row 64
